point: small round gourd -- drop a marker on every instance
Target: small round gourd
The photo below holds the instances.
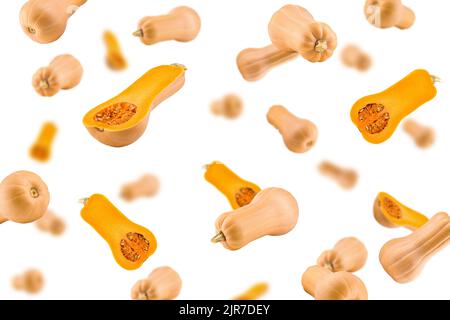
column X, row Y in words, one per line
column 24, row 197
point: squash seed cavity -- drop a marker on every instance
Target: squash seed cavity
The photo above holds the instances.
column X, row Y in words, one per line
column 116, row 114
column 244, row 196
column 374, row 118
column 134, row 247
column 392, row 208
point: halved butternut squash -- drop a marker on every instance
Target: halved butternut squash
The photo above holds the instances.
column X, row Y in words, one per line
column 123, row 119
column 130, row 243
column 238, row 191
column 391, row 213
column 378, row 115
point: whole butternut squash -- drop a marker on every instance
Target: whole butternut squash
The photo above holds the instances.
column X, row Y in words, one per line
column 45, row 21
column 299, row 135
column 272, row 212
column 391, row 213
column 230, row 106
column 377, row 116
column 181, row 24
column 24, row 197
column 31, row 281
column 323, row 284
column 41, row 150
column 254, row 292
column 389, row 13
column 163, row 283
column 255, row 63
column 130, row 243
column 349, row 254
column 51, row 223
column 353, row 57
column 123, row 119
column 293, row 28
column 146, row 186
column 64, row 72
column 404, row 258
column 346, row 178
column 238, row 191
column 422, row 135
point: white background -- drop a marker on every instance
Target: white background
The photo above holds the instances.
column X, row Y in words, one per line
column 183, row 135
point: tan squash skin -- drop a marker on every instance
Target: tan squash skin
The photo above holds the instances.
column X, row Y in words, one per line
column 24, row 197
column 163, row 283
column 45, row 21
column 293, row 28
column 346, row 178
column 273, row 212
column 31, row 281
column 323, row 284
column 51, row 223
column 299, row 135
column 404, row 258
column 130, row 135
column 255, row 63
column 423, row 136
column 146, row 186
column 349, row 254
column 63, row 72
column 389, row 13
column 353, row 57
column 230, row 106
column 181, row 24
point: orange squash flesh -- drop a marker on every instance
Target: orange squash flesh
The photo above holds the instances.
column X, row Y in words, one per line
column 391, row 213
column 130, row 243
column 121, row 120
column 238, row 191
column 378, row 115
column 254, row 292
column 41, row 150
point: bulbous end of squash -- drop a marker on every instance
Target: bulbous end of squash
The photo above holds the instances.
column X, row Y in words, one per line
column 391, row 213
column 45, row 83
column 24, row 197
column 43, row 23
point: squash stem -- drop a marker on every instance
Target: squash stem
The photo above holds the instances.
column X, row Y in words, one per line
column 34, row 193
column 138, row 33
column 219, row 237
column 321, row 46
column 44, row 84
column 179, row 65
column 435, row 78
column 83, row 201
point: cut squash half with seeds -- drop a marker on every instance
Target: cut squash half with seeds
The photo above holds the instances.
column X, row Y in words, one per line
column 123, row 119
column 130, row 243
